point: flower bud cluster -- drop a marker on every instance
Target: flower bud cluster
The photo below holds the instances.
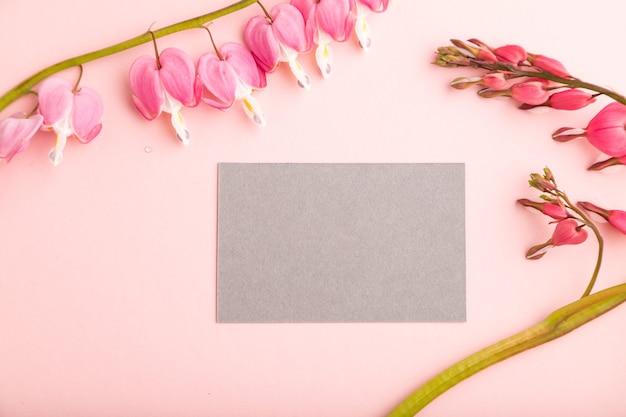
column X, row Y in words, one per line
column 510, row 71
column 570, row 221
column 171, row 80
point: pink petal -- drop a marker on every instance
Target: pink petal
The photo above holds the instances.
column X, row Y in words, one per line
column 178, row 74
column 219, row 79
column 307, row 10
column 86, row 114
column 617, row 219
column 375, row 5
column 567, row 233
column 16, row 133
column 244, row 65
column 335, row 18
column 261, row 40
column 289, row 27
column 145, row 84
column 606, row 131
column 55, row 99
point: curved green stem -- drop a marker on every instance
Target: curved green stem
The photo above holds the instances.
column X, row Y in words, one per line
column 557, row 324
column 26, row 86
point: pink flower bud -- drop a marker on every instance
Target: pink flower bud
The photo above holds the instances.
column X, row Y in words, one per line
column 616, row 218
column 572, row 99
column 549, row 65
column 495, row 81
column 607, row 130
column 530, row 92
column 554, row 210
column 511, row 53
column 568, row 232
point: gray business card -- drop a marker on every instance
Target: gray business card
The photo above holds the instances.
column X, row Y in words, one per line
column 330, row 243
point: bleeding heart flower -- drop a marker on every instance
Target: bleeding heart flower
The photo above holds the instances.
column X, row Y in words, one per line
column 165, row 84
column 511, row 53
column 570, row 99
column 616, row 218
column 531, row 92
column 232, row 76
column 567, row 232
column 69, row 112
column 326, row 20
column 279, row 38
column 606, row 131
column 550, row 65
column 361, row 28
column 16, row 132
column 555, row 210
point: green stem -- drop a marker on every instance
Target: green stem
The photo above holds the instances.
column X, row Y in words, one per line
column 25, row 87
column 599, row 238
column 557, row 324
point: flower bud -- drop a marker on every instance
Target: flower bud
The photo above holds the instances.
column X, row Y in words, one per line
column 616, row 218
column 607, row 130
column 549, row 65
column 568, row 232
column 495, row 81
column 513, row 54
column 555, row 210
column 530, row 92
column 571, row 99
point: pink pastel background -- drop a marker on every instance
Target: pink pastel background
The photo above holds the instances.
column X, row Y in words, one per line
column 107, row 285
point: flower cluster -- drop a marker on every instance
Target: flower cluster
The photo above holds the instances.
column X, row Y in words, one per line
column 535, row 80
column 571, row 220
column 170, row 80
column 65, row 109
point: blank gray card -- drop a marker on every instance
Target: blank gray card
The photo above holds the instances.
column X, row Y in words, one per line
column 326, row 242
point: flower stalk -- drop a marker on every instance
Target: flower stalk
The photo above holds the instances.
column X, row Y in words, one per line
column 25, row 87
column 557, row 324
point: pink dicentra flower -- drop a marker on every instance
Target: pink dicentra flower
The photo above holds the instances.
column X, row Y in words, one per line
column 567, row 232
column 279, row 39
column 326, row 20
column 550, row 65
column 616, row 218
column 571, row 99
column 495, row 80
column 554, row 210
column 532, row 91
column 16, row 132
column 232, row 76
column 606, row 131
column 69, row 112
column 613, row 161
column 513, row 54
column 166, row 83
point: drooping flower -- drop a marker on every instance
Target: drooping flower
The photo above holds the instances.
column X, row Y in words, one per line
column 606, row 131
column 616, row 218
column 570, row 99
column 548, row 64
column 326, row 20
column 232, row 75
column 513, row 54
column 553, row 209
column 280, row 37
column 166, row 83
column 531, row 92
column 16, row 132
column 69, row 112
column 567, row 232
column 361, row 28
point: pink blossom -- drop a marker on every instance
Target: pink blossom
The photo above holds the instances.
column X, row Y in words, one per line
column 68, row 112
column 16, row 132
column 555, row 210
column 616, row 218
column 513, row 54
column 232, row 76
column 607, row 130
column 495, row 81
column 326, row 20
column 165, row 84
column 549, row 65
column 279, row 39
column 531, row 92
column 568, row 232
column 571, row 99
